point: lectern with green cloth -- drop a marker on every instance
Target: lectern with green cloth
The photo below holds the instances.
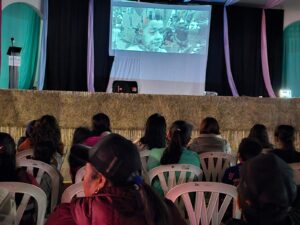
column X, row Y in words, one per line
column 14, row 62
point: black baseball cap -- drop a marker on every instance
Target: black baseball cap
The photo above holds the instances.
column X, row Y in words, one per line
column 116, row 158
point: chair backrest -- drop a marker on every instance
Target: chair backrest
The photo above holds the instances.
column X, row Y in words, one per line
column 296, row 169
column 144, row 159
column 29, row 191
column 25, row 154
column 202, row 210
column 28, row 154
column 7, row 207
column 174, row 174
column 75, row 190
column 79, row 175
column 38, row 169
column 214, row 165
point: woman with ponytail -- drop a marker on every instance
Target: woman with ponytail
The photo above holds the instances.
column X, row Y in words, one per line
column 115, row 194
column 285, row 139
column 176, row 152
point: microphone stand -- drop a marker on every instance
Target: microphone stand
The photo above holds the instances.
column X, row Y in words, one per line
column 13, row 59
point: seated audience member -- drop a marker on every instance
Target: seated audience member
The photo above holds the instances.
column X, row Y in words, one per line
column 45, row 152
column 155, row 133
column 114, row 191
column 100, row 124
column 26, row 141
column 80, row 135
column 47, row 131
column 248, row 149
column 209, row 139
column 78, row 157
column 267, row 193
column 10, row 173
column 100, row 128
column 285, row 142
column 260, row 133
column 178, row 137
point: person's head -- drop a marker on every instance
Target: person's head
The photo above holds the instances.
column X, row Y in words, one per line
column 267, row 190
column 100, row 123
column 248, row 149
column 7, row 157
column 78, row 157
column 80, row 135
column 46, row 129
column 51, row 122
column 152, row 30
column 260, row 133
column 209, row 125
column 114, row 161
column 285, row 137
column 178, row 136
column 155, row 132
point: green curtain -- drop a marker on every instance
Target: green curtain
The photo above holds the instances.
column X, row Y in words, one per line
column 23, row 23
column 291, row 58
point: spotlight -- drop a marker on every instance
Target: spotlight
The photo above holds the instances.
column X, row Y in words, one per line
column 285, row 93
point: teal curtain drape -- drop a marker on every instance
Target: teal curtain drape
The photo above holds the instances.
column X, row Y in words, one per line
column 291, row 58
column 23, row 23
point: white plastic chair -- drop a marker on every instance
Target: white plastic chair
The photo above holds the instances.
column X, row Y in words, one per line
column 214, row 165
column 80, row 175
column 28, row 154
column 296, row 169
column 75, row 190
column 168, row 174
column 7, row 207
column 144, row 155
column 202, row 211
column 29, row 191
column 42, row 169
column 25, row 154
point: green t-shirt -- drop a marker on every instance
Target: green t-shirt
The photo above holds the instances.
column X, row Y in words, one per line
column 187, row 157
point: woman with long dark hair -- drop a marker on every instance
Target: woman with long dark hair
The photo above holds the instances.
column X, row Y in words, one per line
column 260, row 133
column 114, row 191
column 47, row 144
column 285, row 141
column 176, row 152
column 155, row 133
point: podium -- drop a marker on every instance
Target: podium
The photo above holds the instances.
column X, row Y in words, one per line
column 14, row 62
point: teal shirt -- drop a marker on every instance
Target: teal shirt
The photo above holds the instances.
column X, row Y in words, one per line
column 187, row 157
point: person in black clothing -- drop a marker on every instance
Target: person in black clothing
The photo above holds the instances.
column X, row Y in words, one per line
column 100, row 124
column 248, row 149
column 260, row 133
column 268, row 194
column 285, row 138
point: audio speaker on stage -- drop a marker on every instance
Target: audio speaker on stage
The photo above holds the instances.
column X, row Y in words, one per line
column 121, row 86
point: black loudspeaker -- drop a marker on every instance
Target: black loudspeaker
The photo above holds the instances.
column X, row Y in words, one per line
column 121, row 86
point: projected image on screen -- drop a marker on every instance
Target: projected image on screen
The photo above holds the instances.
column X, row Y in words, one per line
column 159, row 30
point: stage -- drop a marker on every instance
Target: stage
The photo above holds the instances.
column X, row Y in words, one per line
column 128, row 112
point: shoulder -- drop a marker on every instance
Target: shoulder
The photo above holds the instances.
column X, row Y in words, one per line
column 62, row 215
column 157, row 151
column 190, row 157
column 190, row 153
